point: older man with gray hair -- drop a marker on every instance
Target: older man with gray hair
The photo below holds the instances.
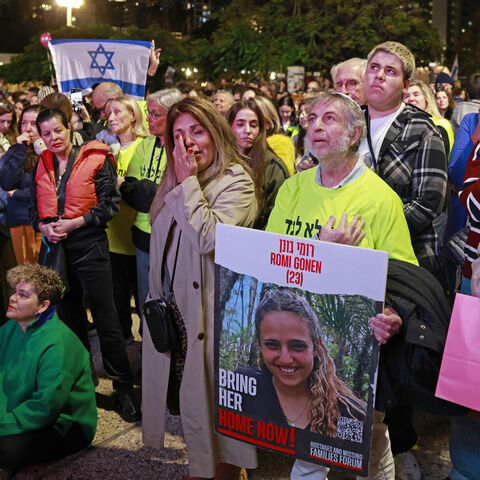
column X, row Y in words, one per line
column 348, row 78
column 223, row 100
column 316, row 198
column 341, row 183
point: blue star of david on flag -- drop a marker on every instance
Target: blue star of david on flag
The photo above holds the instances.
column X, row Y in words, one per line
column 108, row 59
column 81, row 63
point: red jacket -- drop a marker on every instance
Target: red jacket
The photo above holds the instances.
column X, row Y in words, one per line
column 80, row 189
column 470, row 198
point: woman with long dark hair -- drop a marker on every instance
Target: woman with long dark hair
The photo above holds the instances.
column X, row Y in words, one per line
column 16, row 179
column 248, row 125
column 286, row 112
column 206, row 182
column 445, row 103
column 8, row 126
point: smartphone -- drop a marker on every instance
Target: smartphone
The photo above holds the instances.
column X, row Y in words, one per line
column 76, row 97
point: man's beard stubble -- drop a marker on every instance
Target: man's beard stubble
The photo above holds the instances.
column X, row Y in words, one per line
column 343, row 152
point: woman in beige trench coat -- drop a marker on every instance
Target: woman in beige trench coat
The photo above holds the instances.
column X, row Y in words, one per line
column 205, row 183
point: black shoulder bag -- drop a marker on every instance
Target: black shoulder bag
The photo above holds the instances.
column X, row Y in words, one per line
column 53, row 254
column 160, row 314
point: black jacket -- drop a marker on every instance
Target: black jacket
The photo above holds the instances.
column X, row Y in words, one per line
column 410, row 361
column 13, row 176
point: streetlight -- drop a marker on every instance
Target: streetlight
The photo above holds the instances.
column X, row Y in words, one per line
column 69, row 4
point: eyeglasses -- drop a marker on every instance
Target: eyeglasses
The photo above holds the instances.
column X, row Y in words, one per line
column 155, row 115
column 102, row 109
column 349, row 85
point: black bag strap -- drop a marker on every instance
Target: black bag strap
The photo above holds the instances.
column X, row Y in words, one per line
column 369, row 140
column 167, row 275
column 62, row 188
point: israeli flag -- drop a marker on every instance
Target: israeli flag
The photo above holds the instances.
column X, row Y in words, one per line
column 454, row 75
column 82, row 63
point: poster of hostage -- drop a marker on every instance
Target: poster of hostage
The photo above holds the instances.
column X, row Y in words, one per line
column 295, row 359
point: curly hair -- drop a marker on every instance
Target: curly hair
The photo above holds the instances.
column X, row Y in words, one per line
column 46, row 281
column 327, row 390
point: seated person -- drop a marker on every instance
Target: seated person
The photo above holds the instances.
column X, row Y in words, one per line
column 47, row 397
column 297, row 384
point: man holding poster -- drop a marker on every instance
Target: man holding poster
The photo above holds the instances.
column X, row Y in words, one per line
column 371, row 216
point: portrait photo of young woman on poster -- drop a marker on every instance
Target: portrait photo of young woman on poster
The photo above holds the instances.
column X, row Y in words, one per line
column 297, row 383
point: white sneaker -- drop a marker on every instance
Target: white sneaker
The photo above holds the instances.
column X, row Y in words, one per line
column 407, row 467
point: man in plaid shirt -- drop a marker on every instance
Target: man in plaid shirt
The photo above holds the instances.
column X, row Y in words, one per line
column 404, row 148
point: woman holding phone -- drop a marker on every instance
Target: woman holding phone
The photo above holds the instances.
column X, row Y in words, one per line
column 16, row 179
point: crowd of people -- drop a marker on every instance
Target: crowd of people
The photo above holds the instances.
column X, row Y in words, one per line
column 128, row 194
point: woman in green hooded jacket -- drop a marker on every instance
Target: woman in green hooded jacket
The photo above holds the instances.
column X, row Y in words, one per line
column 47, row 396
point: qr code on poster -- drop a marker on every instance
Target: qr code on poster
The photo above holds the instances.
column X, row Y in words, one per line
column 350, row 429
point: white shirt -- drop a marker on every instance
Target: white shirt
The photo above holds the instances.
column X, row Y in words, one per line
column 378, row 129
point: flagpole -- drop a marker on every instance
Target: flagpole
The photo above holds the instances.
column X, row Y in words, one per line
column 50, row 66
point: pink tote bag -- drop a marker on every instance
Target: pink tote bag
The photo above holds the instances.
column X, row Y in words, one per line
column 459, row 379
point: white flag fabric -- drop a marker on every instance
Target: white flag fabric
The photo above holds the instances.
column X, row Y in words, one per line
column 82, row 63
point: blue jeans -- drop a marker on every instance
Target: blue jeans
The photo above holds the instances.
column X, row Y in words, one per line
column 466, row 287
column 465, row 448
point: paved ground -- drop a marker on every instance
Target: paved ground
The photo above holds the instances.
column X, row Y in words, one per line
column 118, row 452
